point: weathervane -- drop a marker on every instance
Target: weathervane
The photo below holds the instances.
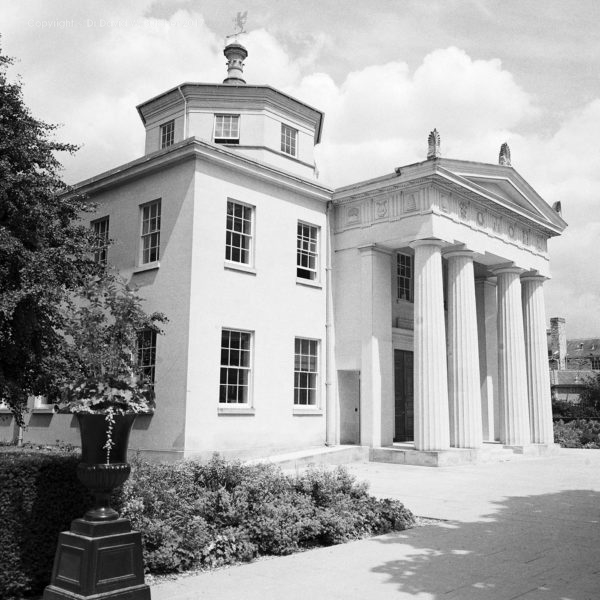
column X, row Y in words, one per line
column 238, row 25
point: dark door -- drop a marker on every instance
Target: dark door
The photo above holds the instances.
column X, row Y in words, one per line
column 404, row 404
column 349, row 390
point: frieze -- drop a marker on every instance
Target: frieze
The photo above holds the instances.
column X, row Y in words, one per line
column 366, row 211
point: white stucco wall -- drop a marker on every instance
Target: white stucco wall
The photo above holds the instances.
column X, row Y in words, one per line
column 165, row 289
column 269, row 303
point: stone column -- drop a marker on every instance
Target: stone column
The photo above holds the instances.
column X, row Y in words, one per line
column 463, row 356
column 536, row 352
column 514, row 406
column 430, row 372
column 377, row 375
column 487, row 327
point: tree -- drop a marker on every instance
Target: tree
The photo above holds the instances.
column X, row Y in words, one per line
column 589, row 399
column 46, row 253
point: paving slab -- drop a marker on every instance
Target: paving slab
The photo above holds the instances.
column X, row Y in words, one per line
column 526, row 529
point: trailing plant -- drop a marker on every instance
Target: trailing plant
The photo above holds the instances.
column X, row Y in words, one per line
column 101, row 338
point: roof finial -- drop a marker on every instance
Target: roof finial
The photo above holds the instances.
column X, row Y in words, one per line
column 504, row 156
column 235, row 53
column 433, row 141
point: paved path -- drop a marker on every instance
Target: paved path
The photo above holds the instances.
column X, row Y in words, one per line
column 526, row 529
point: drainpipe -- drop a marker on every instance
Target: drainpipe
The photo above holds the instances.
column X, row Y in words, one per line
column 332, row 426
column 185, row 119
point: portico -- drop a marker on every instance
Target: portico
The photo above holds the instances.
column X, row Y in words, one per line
column 445, row 260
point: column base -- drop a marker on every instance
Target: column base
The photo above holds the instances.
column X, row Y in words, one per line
column 98, row 559
column 490, row 452
column 535, row 449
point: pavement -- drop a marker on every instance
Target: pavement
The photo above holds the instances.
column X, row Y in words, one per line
column 526, row 529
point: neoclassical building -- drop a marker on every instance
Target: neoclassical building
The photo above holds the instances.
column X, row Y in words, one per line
column 404, row 310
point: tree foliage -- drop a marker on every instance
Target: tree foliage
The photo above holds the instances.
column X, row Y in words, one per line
column 46, row 260
column 590, row 397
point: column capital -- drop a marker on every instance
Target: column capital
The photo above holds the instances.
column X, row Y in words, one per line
column 427, row 242
column 534, row 276
column 506, row 268
column 458, row 251
column 365, row 248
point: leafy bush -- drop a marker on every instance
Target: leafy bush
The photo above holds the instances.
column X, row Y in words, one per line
column 191, row 514
column 195, row 515
column 39, row 497
column 577, row 434
column 574, row 410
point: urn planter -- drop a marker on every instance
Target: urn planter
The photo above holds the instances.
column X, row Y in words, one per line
column 103, row 465
column 100, row 558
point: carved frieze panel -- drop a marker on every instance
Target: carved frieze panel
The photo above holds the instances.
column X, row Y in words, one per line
column 366, row 210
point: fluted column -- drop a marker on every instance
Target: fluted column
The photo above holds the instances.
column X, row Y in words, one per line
column 487, row 327
column 430, row 373
column 536, row 352
column 463, row 355
column 514, row 405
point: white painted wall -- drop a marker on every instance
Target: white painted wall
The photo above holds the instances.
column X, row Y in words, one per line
column 270, row 303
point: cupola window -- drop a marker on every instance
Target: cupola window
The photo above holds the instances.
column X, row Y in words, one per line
column 288, row 139
column 227, row 129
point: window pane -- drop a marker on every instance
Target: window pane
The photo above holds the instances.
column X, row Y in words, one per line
column 238, row 238
column 305, row 371
column 306, row 251
column 235, row 366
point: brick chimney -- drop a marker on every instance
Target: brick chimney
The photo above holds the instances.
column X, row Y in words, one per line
column 558, row 341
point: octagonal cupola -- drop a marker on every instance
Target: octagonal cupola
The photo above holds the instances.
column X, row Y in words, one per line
column 256, row 121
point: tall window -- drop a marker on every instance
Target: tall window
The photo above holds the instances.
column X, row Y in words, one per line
column 236, row 363
column 288, row 139
column 306, row 372
column 100, row 228
column 307, row 252
column 405, row 277
column 167, row 134
column 147, row 354
column 227, row 129
column 595, row 360
column 150, row 232
column 238, row 239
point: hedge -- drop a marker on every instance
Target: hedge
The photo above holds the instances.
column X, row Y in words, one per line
column 39, row 497
column 191, row 514
column 577, row 434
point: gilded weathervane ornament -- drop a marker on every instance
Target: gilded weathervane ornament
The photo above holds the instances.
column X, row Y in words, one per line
column 238, row 25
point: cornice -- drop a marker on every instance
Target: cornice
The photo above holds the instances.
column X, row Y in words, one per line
column 211, row 94
column 194, row 149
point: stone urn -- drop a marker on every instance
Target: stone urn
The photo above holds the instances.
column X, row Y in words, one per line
column 103, row 466
column 100, row 558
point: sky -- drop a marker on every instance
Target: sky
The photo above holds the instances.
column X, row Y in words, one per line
column 385, row 72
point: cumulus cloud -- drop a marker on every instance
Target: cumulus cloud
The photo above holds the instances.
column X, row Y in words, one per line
column 91, row 75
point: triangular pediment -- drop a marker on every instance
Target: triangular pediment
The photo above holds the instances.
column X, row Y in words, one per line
column 501, row 187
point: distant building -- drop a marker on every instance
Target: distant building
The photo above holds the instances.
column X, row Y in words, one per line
column 572, row 362
column 404, row 308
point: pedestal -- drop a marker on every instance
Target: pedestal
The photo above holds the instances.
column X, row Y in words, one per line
column 98, row 559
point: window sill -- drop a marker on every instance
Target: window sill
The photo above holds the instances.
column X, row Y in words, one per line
column 404, row 300
column 236, row 410
column 307, row 412
column 309, row 283
column 233, row 266
column 147, row 267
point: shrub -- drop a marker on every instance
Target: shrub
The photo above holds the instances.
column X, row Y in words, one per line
column 39, row 497
column 577, row 434
column 574, row 410
column 210, row 514
column 191, row 514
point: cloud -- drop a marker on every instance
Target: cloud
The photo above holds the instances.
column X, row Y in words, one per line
column 91, row 74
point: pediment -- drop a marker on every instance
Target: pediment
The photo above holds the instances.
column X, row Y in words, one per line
column 501, row 187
